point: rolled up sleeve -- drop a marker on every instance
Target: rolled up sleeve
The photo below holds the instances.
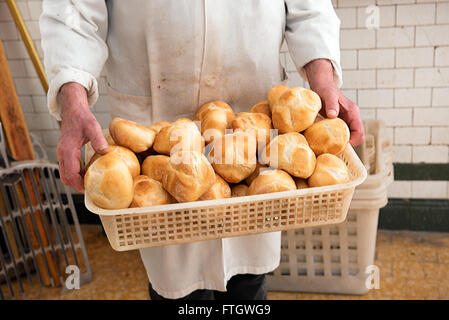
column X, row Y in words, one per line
column 313, row 32
column 73, row 35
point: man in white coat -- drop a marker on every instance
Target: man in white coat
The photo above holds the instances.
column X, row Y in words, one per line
column 164, row 59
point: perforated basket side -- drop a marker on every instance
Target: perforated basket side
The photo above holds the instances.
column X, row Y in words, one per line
column 381, row 167
column 134, row 231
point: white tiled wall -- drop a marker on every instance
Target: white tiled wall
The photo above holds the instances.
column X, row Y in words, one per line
column 398, row 73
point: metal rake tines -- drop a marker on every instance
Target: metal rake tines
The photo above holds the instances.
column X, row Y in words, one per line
column 6, row 269
column 15, row 250
column 39, row 227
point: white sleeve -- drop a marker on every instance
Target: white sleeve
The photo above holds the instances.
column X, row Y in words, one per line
column 73, row 37
column 313, row 32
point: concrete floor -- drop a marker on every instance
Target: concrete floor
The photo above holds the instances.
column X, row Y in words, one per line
column 413, row 265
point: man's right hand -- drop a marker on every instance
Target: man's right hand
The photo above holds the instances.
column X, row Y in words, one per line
column 78, row 127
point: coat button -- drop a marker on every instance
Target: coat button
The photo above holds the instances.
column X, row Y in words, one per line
column 209, row 81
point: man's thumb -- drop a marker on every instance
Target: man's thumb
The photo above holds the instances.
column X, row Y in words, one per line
column 98, row 141
column 331, row 105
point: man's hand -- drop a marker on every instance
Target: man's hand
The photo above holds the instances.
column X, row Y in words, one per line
column 321, row 80
column 77, row 128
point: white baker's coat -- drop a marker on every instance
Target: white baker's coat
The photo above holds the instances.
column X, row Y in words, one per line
column 164, row 59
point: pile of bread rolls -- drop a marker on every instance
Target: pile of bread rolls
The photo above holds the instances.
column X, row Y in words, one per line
column 278, row 145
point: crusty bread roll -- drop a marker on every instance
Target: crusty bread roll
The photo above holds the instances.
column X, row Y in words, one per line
column 239, row 190
column 274, row 94
column 188, row 175
column 328, row 136
column 155, row 166
column 256, row 123
column 108, row 182
column 149, row 192
column 214, row 118
column 261, row 107
column 329, row 170
column 157, row 126
column 272, row 180
column 213, row 105
column 259, row 167
column 125, row 154
column 290, row 152
column 233, row 156
column 183, row 121
column 183, row 134
column 301, row 183
column 219, row 190
column 131, row 134
column 295, row 110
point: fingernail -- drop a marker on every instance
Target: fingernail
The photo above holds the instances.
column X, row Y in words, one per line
column 103, row 149
column 332, row 113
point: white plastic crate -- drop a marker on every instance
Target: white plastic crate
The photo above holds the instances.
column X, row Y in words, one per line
column 334, row 259
column 330, row 259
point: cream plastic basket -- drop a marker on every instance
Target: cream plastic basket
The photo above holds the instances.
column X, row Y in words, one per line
column 135, row 228
column 377, row 155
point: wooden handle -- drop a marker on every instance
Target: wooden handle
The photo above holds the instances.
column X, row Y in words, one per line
column 20, row 24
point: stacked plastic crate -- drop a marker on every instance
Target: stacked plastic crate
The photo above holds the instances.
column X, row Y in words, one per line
column 339, row 258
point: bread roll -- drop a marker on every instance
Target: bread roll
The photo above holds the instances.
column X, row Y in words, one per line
column 272, row 180
column 290, row 152
column 157, row 126
column 181, row 120
column 256, row 123
column 214, row 118
column 259, row 167
column 261, row 107
column 183, row 134
column 295, row 110
column 131, row 134
column 149, row 192
column 328, row 136
column 108, row 182
column 301, row 183
column 125, row 154
column 329, row 170
column 219, row 190
column 274, row 94
column 155, row 166
column 239, row 190
column 233, row 156
column 188, row 175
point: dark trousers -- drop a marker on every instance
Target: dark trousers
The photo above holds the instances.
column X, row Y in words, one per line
column 239, row 287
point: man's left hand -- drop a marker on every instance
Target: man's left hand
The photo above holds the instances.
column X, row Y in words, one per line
column 321, row 80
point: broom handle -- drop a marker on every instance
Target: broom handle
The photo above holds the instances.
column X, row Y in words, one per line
column 20, row 24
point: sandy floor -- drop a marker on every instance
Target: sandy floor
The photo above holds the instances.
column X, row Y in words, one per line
column 413, row 265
